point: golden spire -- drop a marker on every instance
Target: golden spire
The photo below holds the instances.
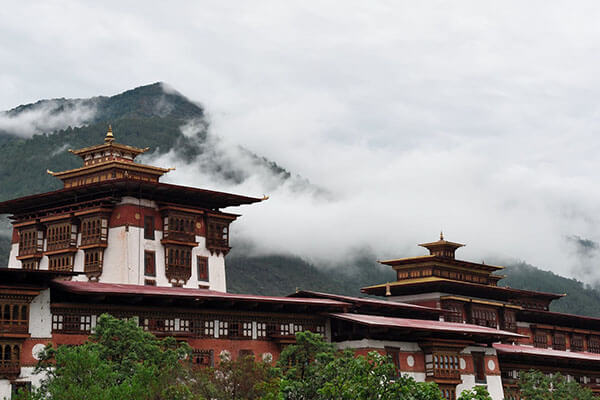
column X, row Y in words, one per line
column 388, row 292
column 109, row 135
column 441, row 235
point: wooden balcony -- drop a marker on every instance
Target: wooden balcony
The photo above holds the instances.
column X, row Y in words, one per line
column 8, row 328
column 179, row 236
column 9, row 369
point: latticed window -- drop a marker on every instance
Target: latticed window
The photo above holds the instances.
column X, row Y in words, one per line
column 203, row 358
column 184, row 325
column 30, row 241
column 10, row 358
column 446, row 365
column 179, row 227
column 448, row 392
column 559, row 342
column 217, row 235
column 31, row 264
column 61, row 236
column 261, row 329
column 485, row 317
column 284, row 329
column 62, row 262
column 223, row 328
column 85, row 324
column 14, row 317
column 247, row 329
column 577, row 343
column 456, row 315
column 149, row 263
column 202, row 266
column 94, row 230
column 92, row 263
column 178, row 261
column 510, row 321
column 209, row 328
column 540, row 339
column 594, row 344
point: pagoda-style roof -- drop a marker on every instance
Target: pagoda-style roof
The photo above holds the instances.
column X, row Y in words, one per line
column 115, row 189
column 107, row 161
column 442, row 248
column 420, row 260
column 451, row 286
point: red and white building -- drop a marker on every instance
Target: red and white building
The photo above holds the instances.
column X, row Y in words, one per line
column 115, row 239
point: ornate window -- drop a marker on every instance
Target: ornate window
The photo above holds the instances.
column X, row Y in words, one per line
column 149, row 227
column 179, row 227
column 14, row 317
column 594, row 344
column 62, row 235
column 31, row 241
column 217, row 235
column 149, row 263
column 202, row 266
column 577, row 343
column 203, row 358
column 92, row 264
column 540, row 339
column 479, row 367
column 261, row 330
column 457, row 312
column 223, row 328
column 448, row 392
column 178, row 263
column 446, row 365
column 30, row 263
column 485, row 317
column 10, row 359
column 510, row 321
column 61, row 262
column 94, row 230
column 247, row 329
column 559, row 342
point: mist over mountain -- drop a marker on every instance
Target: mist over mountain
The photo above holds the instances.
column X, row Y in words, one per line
column 303, row 237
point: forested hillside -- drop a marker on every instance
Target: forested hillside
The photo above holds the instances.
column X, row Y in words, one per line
column 151, row 116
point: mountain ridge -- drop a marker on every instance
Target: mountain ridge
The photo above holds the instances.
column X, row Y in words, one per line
column 150, row 116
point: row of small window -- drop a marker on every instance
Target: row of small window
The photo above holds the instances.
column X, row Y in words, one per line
column 422, row 273
column 63, row 235
column 72, row 323
column 14, row 314
column 559, row 342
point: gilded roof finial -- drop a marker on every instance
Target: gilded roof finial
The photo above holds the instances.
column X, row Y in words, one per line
column 441, row 235
column 388, row 291
column 109, row 135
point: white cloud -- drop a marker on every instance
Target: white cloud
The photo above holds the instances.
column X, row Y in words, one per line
column 475, row 117
column 46, row 117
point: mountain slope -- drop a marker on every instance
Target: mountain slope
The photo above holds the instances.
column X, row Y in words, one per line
column 35, row 137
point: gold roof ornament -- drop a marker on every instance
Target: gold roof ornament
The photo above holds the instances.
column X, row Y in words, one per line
column 388, row 291
column 441, row 235
column 109, row 135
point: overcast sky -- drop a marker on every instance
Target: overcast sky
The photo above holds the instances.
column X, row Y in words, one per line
column 478, row 118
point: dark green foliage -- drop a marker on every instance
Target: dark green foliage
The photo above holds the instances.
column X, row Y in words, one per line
column 242, row 379
column 477, row 393
column 535, row 385
column 312, row 370
column 580, row 299
column 120, row 361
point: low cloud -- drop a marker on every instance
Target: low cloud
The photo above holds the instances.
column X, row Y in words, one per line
column 46, row 116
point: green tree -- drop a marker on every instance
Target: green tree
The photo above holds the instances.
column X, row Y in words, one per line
column 120, row 361
column 312, row 370
column 477, row 393
column 242, row 379
column 534, row 385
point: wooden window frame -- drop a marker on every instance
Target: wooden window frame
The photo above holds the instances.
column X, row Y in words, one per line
column 149, row 227
column 202, row 268
column 479, row 367
column 149, row 255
